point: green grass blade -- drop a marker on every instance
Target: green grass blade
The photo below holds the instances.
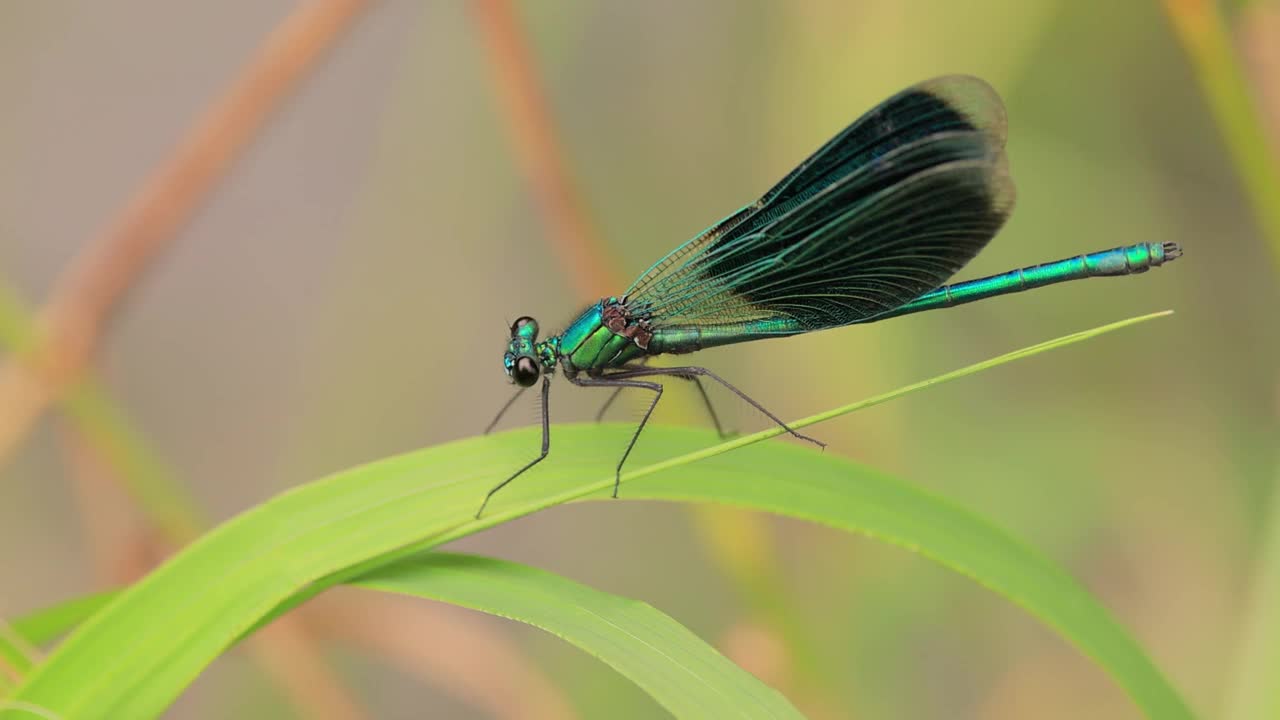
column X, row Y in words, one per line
column 16, row 657
column 47, row 624
column 134, row 657
column 37, row 628
column 21, row 639
column 866, row 502
column 684, row 674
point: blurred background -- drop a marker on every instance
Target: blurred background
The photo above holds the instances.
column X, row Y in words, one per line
column 342, row 293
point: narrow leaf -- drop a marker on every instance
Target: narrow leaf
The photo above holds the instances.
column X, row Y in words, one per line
column 687, row 676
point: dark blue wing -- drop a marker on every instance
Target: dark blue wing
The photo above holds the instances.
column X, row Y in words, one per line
column 887, row 210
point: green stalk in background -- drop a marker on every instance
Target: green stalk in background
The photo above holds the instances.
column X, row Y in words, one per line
column 1203, row 31
column 144, row 475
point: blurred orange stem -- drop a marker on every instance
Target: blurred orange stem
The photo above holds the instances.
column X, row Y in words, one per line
column 1200, row 26
column 287, row 649
column 86, row 293
column 589, row 264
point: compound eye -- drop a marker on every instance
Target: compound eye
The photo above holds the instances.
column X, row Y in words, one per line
column 525, row 327
column 525, row 372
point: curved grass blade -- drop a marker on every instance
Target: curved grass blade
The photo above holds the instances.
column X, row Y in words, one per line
column 682, row 673
column 37, row 628
column 677, row 668
column 885, row 509
column 133, row 658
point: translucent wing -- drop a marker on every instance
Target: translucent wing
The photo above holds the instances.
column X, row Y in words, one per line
column 884, row 212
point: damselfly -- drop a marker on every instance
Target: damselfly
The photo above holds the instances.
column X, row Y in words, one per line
column 868, row 228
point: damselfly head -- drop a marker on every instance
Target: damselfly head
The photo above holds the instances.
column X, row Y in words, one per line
column 521, row 359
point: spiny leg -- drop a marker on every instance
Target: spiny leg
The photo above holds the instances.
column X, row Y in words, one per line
column 504, row 410
column 614, row 395
column 693, row 373
column 706, row 400
column 546, row 445
column 619, row 384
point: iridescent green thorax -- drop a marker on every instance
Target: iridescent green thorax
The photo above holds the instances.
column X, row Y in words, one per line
column 580, row 330
column 605, row 335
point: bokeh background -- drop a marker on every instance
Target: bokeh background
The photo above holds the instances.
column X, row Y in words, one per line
column 343, row 294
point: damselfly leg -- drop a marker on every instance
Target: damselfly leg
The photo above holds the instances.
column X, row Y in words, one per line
column 706, row 401
column 618, row 383
column 630, row 377
column 546, row 442
column 693, row 373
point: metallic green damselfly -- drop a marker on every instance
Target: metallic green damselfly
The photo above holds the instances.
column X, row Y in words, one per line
column 869, row 227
